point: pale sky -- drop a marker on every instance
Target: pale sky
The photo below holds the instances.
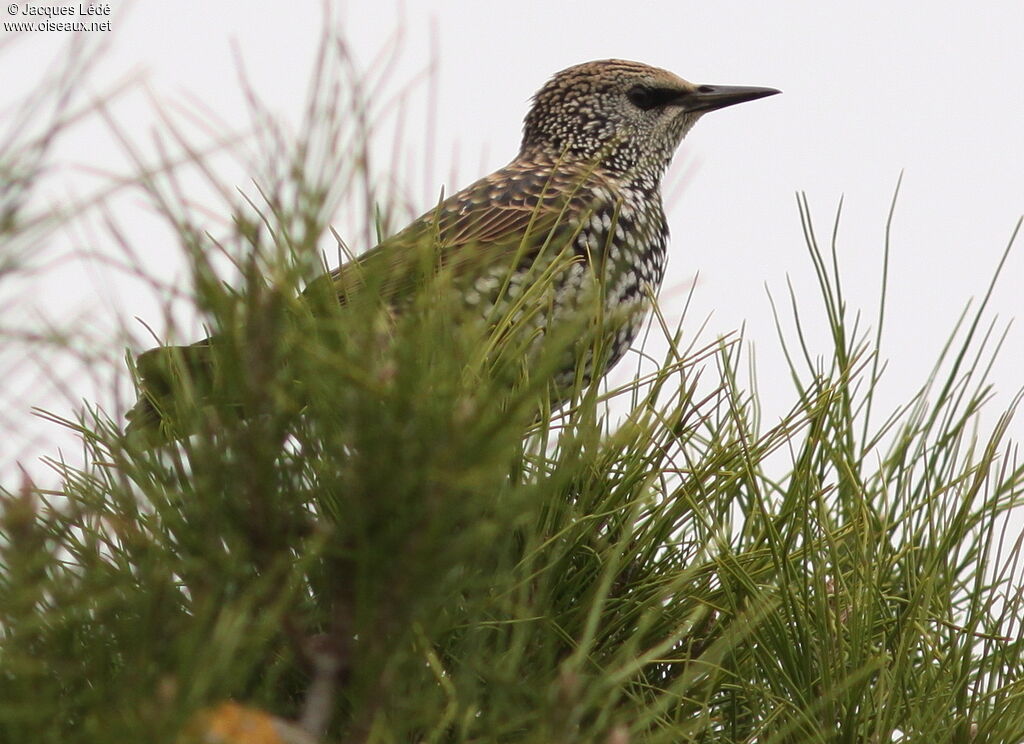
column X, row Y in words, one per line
column 932, row 89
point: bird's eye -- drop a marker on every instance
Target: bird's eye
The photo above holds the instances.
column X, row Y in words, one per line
column 646, row 98
column 641, row 97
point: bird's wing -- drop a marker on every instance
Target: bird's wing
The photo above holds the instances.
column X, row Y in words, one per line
column 508, row 217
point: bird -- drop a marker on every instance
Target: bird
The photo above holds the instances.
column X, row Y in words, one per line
column 581, row 199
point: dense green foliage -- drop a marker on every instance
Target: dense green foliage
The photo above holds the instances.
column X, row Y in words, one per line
column 402, row 540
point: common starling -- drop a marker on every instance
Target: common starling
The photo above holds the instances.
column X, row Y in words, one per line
column 585, row 184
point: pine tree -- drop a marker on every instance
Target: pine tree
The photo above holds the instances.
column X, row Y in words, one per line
column 402, row 542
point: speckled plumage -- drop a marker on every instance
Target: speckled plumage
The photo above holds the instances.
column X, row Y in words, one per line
column 587, row 180
column 585, row 187
column 502, row 232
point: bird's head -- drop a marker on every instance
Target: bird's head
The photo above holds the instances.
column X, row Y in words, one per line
column 625, row 116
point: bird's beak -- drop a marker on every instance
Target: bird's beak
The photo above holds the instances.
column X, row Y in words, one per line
column 711, row 97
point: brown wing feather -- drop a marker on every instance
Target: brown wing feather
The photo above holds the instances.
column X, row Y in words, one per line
column 501, row 216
